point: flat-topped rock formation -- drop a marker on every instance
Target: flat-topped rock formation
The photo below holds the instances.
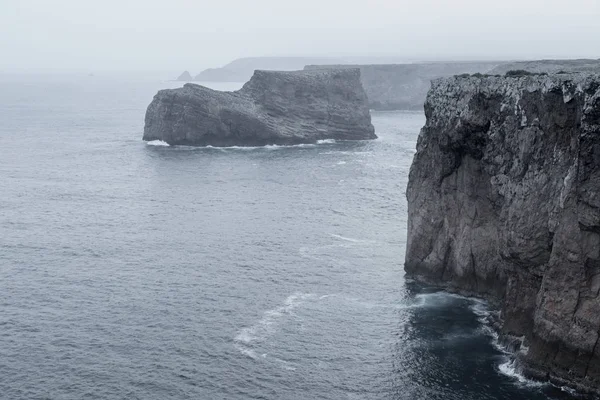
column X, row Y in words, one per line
column 405, row 86
column 242, row 69
column 281, row 108
column 549, row 66
column 504, row 202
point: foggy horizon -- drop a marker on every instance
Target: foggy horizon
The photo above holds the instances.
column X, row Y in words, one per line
column 132, row 35
column 420, row 220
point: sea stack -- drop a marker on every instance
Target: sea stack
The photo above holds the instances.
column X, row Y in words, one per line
column 274, row 107
column 504, row 202
column 185, row 77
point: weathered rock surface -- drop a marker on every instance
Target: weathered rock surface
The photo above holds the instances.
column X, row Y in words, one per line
column 272, row 108
column 504, row 202
column 185, row 76
column 405, row 86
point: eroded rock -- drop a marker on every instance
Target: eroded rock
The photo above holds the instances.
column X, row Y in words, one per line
column 272, row 108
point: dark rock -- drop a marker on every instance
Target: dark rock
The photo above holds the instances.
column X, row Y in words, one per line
column 504, row 202
column 185, row 76
column 405, row 86
column 272, row 108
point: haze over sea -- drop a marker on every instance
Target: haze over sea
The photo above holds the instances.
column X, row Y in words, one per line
column 139, row 271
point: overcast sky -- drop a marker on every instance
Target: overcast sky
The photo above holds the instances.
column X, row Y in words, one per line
column 196, row 34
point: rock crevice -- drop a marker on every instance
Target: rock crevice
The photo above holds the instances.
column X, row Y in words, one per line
column 504, row 202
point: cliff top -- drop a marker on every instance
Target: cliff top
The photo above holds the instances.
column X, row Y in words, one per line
column 550, row 66
column 507, row 85
column 273, row 107
column 274, row 79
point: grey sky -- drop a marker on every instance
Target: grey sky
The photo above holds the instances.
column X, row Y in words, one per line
column 195, row 34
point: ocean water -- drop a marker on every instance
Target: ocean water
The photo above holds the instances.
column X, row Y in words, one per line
column 142, row 271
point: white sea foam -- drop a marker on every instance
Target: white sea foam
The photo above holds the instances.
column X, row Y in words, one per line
column 510, row 369
column 569, row 390
column 341, row 162
column 265, row 147
column 157, row 143
column 482, row 311
column 349, row 239
column 326, row 141
column 436, row 299
column 268, row 324
column 247, row 351
column 418, row 303
column 226, row 148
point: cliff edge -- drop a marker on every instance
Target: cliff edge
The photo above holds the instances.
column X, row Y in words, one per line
column 504, row 202
column 281, row 108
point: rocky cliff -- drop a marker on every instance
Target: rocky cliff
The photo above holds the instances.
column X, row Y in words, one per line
column 272, row 108
column 405, row 86
column 504, row 202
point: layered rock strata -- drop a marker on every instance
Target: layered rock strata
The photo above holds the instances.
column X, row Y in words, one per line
column 504, row 202
column 282, row 108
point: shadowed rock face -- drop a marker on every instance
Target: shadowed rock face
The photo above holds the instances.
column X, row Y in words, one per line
column 272, row 108
column 504, row 202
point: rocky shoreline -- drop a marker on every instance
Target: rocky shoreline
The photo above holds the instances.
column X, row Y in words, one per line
column 504, row 203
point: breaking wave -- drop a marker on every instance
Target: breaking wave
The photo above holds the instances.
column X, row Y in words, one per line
column 247, row 148
column 267, row 325
column 157, row 143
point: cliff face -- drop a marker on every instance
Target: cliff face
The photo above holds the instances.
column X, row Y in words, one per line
column 504, row 202
column 272, row 108
column 405, row 86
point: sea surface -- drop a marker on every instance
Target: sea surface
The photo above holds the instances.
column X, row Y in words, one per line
column 141, row 271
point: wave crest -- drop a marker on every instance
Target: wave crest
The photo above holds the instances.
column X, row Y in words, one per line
column 268, row 324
